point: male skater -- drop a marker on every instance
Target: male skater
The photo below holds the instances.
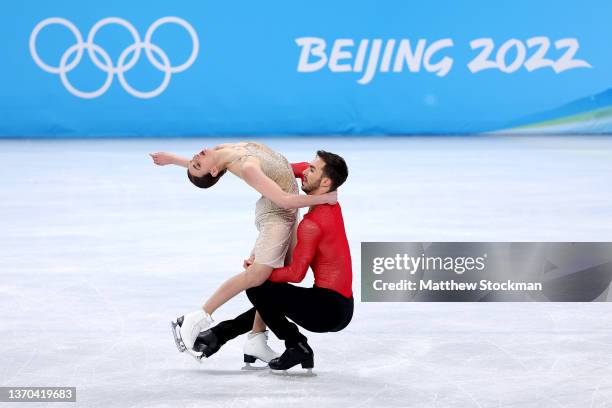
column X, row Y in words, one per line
column 328, row 305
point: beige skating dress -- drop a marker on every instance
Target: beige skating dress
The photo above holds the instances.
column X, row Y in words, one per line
column 276, row 225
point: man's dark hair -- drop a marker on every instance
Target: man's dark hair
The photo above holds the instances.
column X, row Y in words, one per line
column 335, row 168
column 206, row 180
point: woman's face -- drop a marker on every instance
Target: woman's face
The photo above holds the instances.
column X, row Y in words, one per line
column 202, row 163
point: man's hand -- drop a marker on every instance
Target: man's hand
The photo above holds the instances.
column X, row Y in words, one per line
column 331, row 198
column 248, row 262
column 163, row 158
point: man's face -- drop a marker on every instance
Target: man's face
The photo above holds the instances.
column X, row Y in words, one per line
column 313, row 176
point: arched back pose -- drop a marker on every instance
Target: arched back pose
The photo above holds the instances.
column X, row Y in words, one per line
column 322, row 246
column 270, row 174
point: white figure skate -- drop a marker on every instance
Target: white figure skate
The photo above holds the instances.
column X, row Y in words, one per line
column 185, row 330
column 256, row 348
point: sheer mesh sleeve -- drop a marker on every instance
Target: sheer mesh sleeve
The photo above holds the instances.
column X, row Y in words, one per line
column 298, row 169
column 308, row 236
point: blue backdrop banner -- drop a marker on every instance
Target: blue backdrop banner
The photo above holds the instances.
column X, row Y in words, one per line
column 118, row 68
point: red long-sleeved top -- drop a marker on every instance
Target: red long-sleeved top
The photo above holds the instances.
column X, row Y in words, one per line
column 322, row 245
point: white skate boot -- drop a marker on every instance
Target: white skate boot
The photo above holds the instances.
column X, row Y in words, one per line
column 186, row 329
column 256, row 348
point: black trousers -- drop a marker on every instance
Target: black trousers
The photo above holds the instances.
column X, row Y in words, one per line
column 316, row 309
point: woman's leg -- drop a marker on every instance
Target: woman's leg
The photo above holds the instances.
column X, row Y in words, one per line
column 291, row 247
column 255, row 275
column 258, row 324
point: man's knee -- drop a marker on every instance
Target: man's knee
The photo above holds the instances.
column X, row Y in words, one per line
column 260, row 291
column 255, row 292
column 252, row 293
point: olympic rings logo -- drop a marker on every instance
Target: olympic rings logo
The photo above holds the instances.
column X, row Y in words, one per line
column 106, row 64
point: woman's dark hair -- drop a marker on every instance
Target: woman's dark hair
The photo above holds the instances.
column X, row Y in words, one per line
column 206, row 180
column 335, row 168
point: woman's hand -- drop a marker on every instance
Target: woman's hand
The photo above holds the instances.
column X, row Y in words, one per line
column 163, row 158
column 248, row 262
column 331, row 197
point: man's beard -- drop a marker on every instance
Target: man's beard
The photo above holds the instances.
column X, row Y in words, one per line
column 311, row 187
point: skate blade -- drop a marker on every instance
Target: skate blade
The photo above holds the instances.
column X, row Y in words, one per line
column 249, row 367
column 197, row 356
column 178, row 340
column 307, row 372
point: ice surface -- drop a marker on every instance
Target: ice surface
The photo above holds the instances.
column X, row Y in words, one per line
column 100, row 249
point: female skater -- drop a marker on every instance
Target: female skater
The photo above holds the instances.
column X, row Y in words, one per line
column 270, row 174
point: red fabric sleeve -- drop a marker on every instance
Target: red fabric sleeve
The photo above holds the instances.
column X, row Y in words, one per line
column 308, row 236
column 298, row 168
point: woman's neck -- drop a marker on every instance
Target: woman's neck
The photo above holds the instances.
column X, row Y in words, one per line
column 227, row 155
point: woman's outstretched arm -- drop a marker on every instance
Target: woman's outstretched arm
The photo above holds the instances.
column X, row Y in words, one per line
column 252, row 174
column 164, row 158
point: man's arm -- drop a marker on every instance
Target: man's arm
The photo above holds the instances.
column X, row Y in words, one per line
column 308, row 236
column 298, row 169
